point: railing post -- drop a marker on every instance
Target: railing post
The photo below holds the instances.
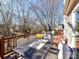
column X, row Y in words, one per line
column 2, row 48
column 24, row 35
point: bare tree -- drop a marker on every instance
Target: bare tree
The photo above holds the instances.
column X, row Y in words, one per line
column 23, row 16
column 6, row 16
column 45, row 11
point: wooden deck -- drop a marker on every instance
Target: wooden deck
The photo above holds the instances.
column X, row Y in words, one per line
column 8, row 43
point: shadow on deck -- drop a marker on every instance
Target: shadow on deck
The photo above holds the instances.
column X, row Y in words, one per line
column 52, row 54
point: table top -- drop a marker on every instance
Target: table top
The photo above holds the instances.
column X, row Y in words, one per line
column 40, row 45
column 21, row 49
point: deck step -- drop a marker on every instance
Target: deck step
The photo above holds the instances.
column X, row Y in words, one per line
column 10, row 55
column 53, row 50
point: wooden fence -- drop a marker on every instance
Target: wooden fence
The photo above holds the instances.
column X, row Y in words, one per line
column 8, row 43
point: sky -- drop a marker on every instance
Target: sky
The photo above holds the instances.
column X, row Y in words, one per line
column 59, row 12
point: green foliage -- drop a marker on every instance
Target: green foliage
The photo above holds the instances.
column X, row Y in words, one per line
column 54, row 33
column 78, row 28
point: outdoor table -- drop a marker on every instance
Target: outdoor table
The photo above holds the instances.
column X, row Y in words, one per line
column 41, row 48
column 20, row 49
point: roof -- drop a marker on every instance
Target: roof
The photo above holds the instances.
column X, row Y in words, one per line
column 69, row 6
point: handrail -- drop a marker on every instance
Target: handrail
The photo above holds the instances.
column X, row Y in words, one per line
column 8, row 43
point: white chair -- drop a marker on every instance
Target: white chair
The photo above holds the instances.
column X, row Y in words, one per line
column 22, row 41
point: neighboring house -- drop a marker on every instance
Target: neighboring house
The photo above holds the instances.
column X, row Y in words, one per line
column 70, row 18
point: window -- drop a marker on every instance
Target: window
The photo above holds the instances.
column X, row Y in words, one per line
column 77, row 21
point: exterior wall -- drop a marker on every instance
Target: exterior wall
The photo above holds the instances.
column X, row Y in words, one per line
column 69, row 30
